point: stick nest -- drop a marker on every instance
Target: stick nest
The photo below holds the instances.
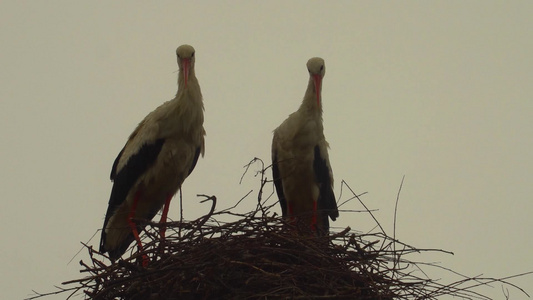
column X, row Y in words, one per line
column 258, row 255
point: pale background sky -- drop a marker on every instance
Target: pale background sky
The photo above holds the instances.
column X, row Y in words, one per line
column 438, row 91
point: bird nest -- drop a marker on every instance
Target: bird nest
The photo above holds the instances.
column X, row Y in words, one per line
column 258, row 255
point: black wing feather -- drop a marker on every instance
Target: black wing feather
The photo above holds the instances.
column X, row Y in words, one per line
column 327, row 205
column 278, row 184
column 115, row 164
column 124, row 180
column 196, row 156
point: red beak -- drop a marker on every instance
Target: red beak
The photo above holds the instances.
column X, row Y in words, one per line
column 318, row 81
column 186, row 66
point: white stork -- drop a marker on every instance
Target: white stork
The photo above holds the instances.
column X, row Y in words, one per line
column 300, row 164
column 160, row 153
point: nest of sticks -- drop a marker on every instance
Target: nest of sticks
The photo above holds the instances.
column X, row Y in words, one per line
column 259, row 255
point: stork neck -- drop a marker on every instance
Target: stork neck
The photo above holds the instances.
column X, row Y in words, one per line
column 185, row 111
column 192, row 84
column 310, row 103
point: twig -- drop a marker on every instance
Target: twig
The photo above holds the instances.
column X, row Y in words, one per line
column 259, row 255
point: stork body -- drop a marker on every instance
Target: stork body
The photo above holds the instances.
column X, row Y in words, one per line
column 160, row 153
column 300, row 163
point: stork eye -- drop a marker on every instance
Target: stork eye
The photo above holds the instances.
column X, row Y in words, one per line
column 192, row 55
column 321, row 68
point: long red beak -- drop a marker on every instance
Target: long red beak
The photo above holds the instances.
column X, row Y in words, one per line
column 186, row 67
column 318, row 81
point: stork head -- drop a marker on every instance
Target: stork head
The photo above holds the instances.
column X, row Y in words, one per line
column 317, row 70
column 185, row 55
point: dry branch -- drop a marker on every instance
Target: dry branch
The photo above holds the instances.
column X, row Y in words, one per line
column 260, row 256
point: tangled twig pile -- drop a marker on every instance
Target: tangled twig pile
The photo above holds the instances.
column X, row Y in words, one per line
column 254, row 257
column 259, row 256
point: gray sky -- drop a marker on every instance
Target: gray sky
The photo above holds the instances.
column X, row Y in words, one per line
column 438, row 91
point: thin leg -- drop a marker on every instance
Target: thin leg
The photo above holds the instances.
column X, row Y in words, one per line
column 291, row 214
column 133, row 227
column 163, row 220
column 314, row 217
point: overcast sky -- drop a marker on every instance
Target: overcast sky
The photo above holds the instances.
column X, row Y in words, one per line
column 438, row 91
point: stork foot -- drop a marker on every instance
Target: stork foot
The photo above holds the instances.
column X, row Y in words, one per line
column 134, row 230
column 163, row 221
column 290, row 218
column 146, row 260
column 314, row 225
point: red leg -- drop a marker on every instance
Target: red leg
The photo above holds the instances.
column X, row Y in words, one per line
column 291, row 214
column 314, row 217
column 133, row 227
column 290, row 218
column 163, row 220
